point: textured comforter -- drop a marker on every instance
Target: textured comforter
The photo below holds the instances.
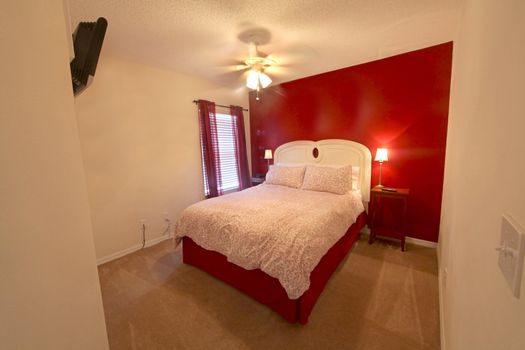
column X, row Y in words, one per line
column 282, row 231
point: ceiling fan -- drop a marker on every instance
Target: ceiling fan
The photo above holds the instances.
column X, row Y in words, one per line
column 253, row 68
column 257, row 64
column 257, row 79
column 257, row 69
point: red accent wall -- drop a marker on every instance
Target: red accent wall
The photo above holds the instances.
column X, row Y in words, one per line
column 400, row 102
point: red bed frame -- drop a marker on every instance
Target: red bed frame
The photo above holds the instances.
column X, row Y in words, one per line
column 266, row 289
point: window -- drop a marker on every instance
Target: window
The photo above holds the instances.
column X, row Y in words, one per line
column 227, row 152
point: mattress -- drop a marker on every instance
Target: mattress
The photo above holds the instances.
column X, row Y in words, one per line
column 280, row 230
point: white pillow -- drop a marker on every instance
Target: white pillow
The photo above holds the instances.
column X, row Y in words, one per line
column 291, row 176
column 328, row 179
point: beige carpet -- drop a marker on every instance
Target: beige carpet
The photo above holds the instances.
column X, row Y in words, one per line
column 379, row 298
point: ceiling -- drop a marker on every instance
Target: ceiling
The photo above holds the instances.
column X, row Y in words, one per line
column 307, row 37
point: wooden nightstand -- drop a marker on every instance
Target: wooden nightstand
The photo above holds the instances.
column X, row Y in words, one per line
column 257, row 181
column 401, row 197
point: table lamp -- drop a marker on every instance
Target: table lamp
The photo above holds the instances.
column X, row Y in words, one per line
column 268, row 155
column 381, row 156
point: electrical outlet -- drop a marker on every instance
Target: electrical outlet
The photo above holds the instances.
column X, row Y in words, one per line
column 511, row 252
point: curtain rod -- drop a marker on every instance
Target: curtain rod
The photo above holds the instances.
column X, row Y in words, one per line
column 223, row 106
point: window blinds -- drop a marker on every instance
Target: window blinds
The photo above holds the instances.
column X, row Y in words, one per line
column 226, row 154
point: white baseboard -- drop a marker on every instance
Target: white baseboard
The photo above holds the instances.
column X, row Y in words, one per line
column 421, row 242
column 411, row 240
column 132, row 249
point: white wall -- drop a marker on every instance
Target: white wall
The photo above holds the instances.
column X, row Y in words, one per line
column 484, row 177
column 140, row 141
column 49, row 289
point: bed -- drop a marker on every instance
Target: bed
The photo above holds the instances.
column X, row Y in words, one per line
column 280, row 244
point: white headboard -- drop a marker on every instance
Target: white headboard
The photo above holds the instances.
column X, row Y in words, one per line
column 330, row 152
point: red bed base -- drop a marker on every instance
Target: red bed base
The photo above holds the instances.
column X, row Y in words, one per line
column 266, row 289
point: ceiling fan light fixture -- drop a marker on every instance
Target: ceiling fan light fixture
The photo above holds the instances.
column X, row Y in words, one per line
column 252, row 81
column 257, row 80
column 264, row 79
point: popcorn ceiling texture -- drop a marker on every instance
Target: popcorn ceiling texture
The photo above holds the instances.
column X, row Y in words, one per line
column 308, row 37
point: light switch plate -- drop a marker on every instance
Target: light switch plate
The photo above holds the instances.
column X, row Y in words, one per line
column 511, row 252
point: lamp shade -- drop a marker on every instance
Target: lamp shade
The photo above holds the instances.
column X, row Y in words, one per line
column 264, row 79
column 252, row 81
column 381, row 155
column 268, row 154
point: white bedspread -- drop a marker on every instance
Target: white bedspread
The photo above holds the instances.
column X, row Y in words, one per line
column 282, row 231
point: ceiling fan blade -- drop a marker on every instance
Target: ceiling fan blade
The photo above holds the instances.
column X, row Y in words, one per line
column 295, row 54
column 275, row 70
column 240, row 67
column 232, row 65
column 231, row 77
